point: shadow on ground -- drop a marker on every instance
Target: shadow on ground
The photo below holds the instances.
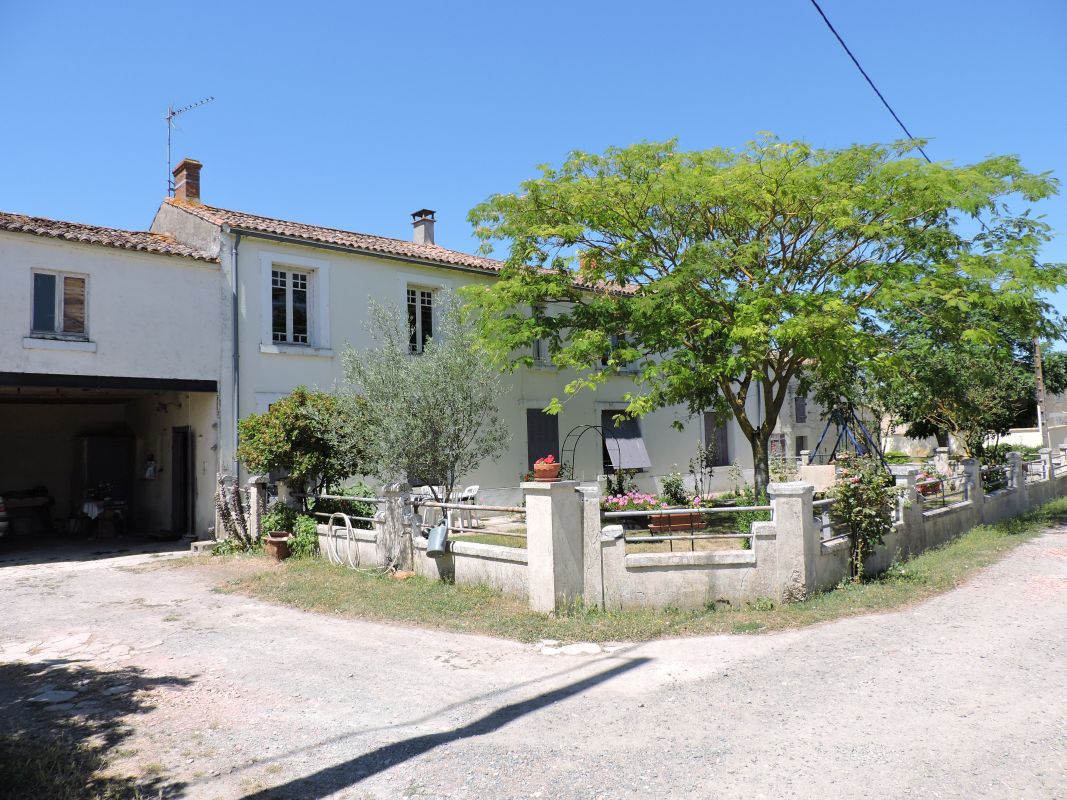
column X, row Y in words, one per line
column 348, row 773
column 61, row 723
column 52, row 550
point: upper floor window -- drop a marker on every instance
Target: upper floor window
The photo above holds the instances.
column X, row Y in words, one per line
column 800, row 408
column 58, row 303
column 420, row 318
column 289, row 294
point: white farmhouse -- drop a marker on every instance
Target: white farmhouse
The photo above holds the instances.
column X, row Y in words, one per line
column 127, row 356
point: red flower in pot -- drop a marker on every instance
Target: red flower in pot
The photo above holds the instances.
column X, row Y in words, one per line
column 546, row 469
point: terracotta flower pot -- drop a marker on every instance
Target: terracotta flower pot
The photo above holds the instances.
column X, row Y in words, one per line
column 276, row 545
column 546, row 472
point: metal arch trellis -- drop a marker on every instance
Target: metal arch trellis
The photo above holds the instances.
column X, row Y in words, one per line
column 570, row 445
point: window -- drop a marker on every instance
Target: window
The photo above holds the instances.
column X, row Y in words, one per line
column 58, row 303
column 420, row 318
column 777, row 445
column 289, row 292
column 715, row 438
column 542, row 435
column 618, row 341
column 800, row 408
column 623, row 446
column 800, row 443
column 541, row 356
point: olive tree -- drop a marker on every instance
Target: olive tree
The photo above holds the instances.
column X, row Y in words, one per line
column 429, row 417
column 717, row 274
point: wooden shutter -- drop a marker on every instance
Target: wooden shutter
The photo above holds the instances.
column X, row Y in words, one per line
column 542, row 435
column 73, row 305
column 715, row 436
column 800, row 407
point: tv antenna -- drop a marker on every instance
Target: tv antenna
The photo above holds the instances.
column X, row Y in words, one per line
column 172, row 114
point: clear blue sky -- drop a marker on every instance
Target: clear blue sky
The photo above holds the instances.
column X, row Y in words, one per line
column 355, row 114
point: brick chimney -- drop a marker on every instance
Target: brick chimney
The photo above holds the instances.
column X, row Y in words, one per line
column 187, row 181
column 422, row 221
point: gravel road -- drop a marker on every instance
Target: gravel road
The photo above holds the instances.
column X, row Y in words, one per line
column 963, row 696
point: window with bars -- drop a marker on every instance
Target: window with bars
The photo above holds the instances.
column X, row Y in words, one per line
column 420, row 318
column 289, row 297
column 59, row 303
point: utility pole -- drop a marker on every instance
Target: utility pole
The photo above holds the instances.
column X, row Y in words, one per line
column 1039, row 380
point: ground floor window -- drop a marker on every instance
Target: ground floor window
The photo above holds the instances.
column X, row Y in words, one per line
column 623, row 446
column 542, row 435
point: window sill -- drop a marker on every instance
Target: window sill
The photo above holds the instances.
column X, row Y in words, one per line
column 58, row 343
column 296, row 350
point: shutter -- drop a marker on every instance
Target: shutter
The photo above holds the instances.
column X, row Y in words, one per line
column 73, row 305
column 715, row 436
column 623, row 446
column 542, row 435
column 801, row 408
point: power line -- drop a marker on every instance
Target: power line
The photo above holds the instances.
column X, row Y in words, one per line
column 863, row 72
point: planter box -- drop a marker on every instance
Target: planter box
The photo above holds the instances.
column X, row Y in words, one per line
column 686, row 521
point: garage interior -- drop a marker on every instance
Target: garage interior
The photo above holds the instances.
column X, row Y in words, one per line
column 108, row 459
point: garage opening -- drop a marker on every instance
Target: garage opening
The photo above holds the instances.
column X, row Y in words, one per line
column 104, row 464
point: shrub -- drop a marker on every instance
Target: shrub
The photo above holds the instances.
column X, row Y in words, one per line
column 674, row 490
column 304, row 542
column 897, row 457
column 864, row 500
column 631, row 501
column 353, row 508
column 279, row 517
column 310, row 435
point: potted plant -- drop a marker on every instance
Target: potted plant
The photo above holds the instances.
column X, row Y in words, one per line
column 675, row 495
column 278, row 523
column 546, row 469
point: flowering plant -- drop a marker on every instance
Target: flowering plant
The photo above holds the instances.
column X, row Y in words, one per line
column 631, row 501
column 549, row 459
column 929, row 488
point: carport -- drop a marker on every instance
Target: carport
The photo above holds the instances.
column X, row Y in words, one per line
column 104, row 457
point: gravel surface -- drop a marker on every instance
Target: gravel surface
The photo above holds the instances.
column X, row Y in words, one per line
column 963, row 696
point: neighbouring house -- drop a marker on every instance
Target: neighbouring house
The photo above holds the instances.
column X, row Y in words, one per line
column 109, row 371
column 299, row 295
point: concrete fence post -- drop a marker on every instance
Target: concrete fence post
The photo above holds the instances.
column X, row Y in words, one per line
column 1047, row 467
column 796, row 538
column 257, row 505
column 593, row 572
column 941, row 462
column 396, row 526
column 554, row 544
column 1063, row 454
column 1016, row 471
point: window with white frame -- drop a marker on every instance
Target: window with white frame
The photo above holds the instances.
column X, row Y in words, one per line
column 290, row 292
column 420, row 318
column 59, row 304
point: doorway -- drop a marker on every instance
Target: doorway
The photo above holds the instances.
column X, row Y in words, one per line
column 181, row 504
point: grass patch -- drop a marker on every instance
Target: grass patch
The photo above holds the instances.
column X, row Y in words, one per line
column 491, row 538
column 315, row 585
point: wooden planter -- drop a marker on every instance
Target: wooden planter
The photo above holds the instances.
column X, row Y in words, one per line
column 546, row 472
column 276, row 545
column 685, row 521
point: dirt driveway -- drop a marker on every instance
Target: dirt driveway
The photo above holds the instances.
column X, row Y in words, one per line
column 224, row 697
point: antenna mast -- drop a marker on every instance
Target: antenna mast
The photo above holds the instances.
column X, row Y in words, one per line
column 173, row 113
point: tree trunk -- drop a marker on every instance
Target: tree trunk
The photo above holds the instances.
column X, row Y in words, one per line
column 760, row 463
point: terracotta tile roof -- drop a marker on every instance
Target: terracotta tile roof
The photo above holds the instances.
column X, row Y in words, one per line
column 108, row 237
column 363, row 242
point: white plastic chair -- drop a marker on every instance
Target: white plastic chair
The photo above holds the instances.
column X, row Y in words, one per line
column 468, row 518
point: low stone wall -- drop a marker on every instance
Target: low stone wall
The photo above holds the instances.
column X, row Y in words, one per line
column 503, row 568
column 571, row 556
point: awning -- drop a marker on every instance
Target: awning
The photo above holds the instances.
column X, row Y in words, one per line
column 624, row 444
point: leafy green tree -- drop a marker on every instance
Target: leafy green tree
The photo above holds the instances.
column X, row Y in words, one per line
column 308, row 434
column 718, row 274
column 430, row 417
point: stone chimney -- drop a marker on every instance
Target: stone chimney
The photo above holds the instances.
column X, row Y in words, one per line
column 422, row 221
column 187, row 181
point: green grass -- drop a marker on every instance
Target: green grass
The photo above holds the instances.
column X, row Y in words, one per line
column 315, row 585
column 491, row 538
column 59, row 768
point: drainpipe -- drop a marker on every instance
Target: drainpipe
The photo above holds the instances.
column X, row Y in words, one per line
column 235, row 314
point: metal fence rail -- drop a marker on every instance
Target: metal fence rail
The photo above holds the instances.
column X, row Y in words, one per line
column 696, row 524
column 936, row 493
column 996, row 477
column 1036, row 470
